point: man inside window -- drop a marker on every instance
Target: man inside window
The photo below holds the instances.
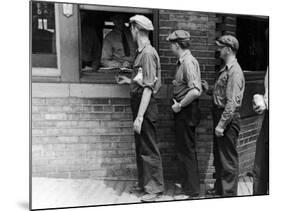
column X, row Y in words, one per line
column 118, row 46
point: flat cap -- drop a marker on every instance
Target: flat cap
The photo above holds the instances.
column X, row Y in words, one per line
column 229, row 41
column 143, row 22
column 179, row 35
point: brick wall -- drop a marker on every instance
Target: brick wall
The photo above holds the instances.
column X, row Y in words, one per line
column 82, row 137
column 250, row 128
column 90, row 137
column 202, row 28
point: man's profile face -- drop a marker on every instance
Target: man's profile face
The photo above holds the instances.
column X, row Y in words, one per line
column 174, row 48
column 133, row 32
column 224, row 51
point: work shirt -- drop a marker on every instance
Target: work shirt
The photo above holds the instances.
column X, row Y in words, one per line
column 187, row 76
column 113, row 54
column 228, row 91
column 148, row 62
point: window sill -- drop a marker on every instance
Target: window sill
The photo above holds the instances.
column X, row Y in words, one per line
column 44, row 74
column 101, row 77
column 254, row 75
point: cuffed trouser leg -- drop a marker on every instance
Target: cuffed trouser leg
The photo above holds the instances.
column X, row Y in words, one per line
column 149, row 162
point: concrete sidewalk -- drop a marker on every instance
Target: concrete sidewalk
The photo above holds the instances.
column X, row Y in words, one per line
column 58, row 193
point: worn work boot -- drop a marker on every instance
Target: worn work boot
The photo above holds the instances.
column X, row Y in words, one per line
column 151, row 197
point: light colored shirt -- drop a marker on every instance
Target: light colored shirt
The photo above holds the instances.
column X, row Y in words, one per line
column 228, row 91
column 113, row 54
column 148, row 60
column 187, row 76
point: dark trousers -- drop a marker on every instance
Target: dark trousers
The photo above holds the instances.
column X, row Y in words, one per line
column 261, row 166
column 226, row 156
column 186, row 147
column 149, row 162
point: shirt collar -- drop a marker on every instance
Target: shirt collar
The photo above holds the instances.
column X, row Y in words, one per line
column 229, row 65
column 186, row 53
column 146, row 44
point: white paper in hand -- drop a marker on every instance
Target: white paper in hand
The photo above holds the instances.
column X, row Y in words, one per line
column 139, row 77
column 258, row 101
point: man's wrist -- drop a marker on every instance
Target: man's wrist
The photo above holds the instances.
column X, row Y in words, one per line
column 220, row 126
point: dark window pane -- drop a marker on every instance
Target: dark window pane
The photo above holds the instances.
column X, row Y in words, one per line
column 43, row 28
column 253, row 50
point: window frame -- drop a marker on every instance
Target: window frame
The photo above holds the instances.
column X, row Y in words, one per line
column 108, row 78
column 39, row 73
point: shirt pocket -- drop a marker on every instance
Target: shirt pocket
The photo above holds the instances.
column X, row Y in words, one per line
column 222, row 81
column 220, row 88
column 238, row 99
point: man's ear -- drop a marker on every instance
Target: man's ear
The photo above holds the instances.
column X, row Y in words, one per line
column 230, row 51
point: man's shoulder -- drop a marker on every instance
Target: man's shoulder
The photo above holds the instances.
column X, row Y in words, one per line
column 236, row 67
column 236, row 70
column 149, row 50
column 189, row 61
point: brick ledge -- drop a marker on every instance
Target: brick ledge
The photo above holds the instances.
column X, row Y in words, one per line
column 57, row 90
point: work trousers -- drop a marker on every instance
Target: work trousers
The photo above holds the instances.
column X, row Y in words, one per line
column 148, row 158
column 226, row 160
column 185, row 124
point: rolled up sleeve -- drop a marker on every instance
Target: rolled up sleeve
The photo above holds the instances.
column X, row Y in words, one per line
column 192, row 76
column 234, row 96
column 149, row 70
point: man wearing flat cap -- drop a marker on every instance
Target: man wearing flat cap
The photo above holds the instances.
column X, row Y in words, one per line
column 186, row 92
column 227, row 100
column 144, row 84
